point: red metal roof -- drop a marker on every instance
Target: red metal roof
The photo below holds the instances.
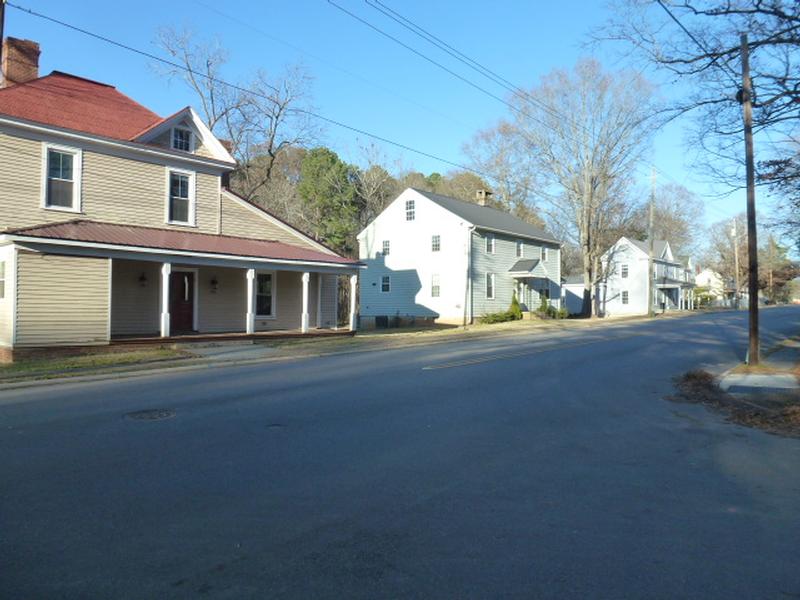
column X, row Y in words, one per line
column 169, row 239
column 71, row 102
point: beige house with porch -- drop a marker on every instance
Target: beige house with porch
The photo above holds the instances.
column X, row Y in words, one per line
column 117, row 223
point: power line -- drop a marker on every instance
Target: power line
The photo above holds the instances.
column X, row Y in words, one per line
column 245, row 90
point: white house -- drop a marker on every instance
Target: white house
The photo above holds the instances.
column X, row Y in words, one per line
column 434, row 258
column 624, row 288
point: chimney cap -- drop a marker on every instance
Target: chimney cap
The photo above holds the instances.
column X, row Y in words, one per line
column 482, row 196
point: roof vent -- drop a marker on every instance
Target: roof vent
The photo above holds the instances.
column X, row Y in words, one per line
column 482, row 196
column 20, row 62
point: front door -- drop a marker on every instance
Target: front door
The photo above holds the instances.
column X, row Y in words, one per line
column 181, row 301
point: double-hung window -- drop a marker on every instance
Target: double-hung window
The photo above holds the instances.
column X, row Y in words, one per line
column 386, row 284
column 181, row 139
column 544, row 254
column 410, row 210
column 435, row 286
column 490, row 286
column 2, row 279
column 624, row 271
column 490, row 243
column 387, row 246
column 62, row 189
column 436, row 243
column 519, row 247
column 265, row 295
column 625, row 297
column 180, row 209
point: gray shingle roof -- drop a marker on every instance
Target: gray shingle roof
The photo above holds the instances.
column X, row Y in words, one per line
column 573, row 279
column 485, row 217
column 526, row 264
column 658, row 246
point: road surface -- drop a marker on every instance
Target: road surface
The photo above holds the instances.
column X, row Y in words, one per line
column 545, row 465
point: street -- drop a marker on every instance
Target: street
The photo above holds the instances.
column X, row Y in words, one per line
column 544, row 465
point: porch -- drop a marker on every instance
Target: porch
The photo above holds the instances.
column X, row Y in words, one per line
column 674, row 296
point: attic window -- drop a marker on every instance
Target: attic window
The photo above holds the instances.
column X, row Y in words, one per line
column 181, row 139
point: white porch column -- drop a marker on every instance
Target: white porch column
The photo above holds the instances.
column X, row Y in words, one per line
column 353, row 290
column 319, row 300
column 250, row 323
column 304, row 316
column 166, row 269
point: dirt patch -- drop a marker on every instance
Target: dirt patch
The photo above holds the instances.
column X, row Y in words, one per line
column 777, row 413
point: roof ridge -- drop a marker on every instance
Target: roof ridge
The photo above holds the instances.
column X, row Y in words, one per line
column 73, row 76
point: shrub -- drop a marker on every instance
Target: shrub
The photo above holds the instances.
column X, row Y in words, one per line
column 543, row 305
column 498, row 317
column 563, row 313
column 515, row 308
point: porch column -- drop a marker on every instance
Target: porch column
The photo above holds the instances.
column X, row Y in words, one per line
column 250, row 323
column 353, row 288
column 166, row 270
column 304, row 316
column 319, row 300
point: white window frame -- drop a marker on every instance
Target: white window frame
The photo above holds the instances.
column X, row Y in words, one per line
column 172, row 139
column 274, row 307
column 543, row 254
column 388, row 280
column 519, row 247
column 625, row 297
column 436, row 286
column 491, row 243
column 623, row 271
column 192, row 198
column 494, row 290
column 386, row 247
column 411, row 210
column 3, row 279
column 77, row 172
column 436, row 243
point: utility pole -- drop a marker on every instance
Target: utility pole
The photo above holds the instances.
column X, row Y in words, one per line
column 752, row 245
column 651, row 284
column 736, row 285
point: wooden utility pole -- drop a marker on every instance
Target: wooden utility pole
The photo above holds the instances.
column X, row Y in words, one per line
column 736, row 284
column 752, row 245
column 651, row 284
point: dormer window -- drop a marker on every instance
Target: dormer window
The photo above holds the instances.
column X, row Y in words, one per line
column 181, row 139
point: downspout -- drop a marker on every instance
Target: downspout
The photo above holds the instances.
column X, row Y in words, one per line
column 468, row 287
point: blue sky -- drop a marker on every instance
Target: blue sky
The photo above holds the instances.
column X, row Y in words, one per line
column 360, row 78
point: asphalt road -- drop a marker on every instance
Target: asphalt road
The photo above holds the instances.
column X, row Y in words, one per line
column 535, row 466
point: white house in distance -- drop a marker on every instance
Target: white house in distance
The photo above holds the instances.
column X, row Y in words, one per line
column 434, row 258
column 624, row 289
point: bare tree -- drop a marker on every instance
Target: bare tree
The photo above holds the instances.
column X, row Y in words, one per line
column 584, row 134
column 375, row 185
column 259, row 119
column 678, row 219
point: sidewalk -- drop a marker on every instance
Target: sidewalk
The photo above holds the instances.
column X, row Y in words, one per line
column 779, row 371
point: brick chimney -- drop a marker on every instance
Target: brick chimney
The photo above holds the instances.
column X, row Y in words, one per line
column 20, row 61
column 481, row 196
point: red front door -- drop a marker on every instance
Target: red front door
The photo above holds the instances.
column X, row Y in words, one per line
column 181, row 301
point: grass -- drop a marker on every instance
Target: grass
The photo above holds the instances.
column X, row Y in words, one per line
column 60, row 366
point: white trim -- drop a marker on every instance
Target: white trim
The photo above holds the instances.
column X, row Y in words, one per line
column 207, row 137
column 119, row 144
column 188, row 130
column 110, row 287
column 306, row 279
column 196, row 299
column 166, row 252
column 275, row 221
column 389, row 277
column 250, row 311
column 274, row 307
column 163, row 295
column 192, row 198
column 353, row 292
column 77, row 176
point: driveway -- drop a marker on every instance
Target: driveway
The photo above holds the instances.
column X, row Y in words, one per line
column 535, row 466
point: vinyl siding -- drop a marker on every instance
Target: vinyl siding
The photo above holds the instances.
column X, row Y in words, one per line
column 114, row 189
column 330, row 291
column 62, row 300
column 500, row 262
column 223, row 310
column 135, row 308
column 244, row 221
column 165, row 141
column 289, row 302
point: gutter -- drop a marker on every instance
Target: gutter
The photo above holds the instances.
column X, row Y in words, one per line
column 468, row 283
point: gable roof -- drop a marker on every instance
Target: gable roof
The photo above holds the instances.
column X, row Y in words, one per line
column 168, row 239
column 207, row 138
column 71, row 102
column 659, row 246
column 485, row 217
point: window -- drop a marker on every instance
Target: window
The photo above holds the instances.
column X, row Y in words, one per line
column 489, row 243
column 436, row 243
column 519, row 248
column 410, row 210
column 386, row 247
column 490, row 286
column 544, row 254
column 63, row 174
column 624, row 271
column 2, row 279
column 625, row 297
column 182, row 139
column 435, row 286
column 265, row 295
column 180, row 201
column 386, row 284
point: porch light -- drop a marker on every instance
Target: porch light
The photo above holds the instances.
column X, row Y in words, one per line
column 143, row 280
column 214, row 284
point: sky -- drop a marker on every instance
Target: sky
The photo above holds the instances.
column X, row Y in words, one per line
column 359, row 77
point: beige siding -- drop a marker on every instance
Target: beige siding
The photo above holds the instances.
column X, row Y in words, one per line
column 289, row 302
column 244, row 221
column 62, row 300
column 114, row 189
column 330, row 291
column 135, row 305
column 165, row 141
column 223, row 310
